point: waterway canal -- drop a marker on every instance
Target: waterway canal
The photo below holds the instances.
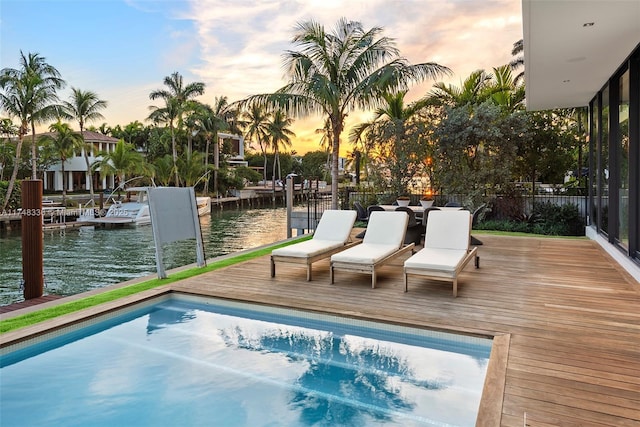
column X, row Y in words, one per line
column 80, row 259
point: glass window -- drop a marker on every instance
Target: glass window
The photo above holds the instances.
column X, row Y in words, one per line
column 594, row 122
column 603, row 170
column 623, row 159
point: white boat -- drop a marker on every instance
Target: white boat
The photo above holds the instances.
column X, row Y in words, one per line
column 137, row 212
column 204, row 205
column 128, row 213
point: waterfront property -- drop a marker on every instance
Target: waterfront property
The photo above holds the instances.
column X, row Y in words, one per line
column 562, row 310
column 587, row 53
column 76, row 166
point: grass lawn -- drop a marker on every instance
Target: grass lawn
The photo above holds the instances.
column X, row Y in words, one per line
column 107, row 296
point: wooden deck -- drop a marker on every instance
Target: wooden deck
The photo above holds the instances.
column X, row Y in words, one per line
column 571, row 313
column 565, row 311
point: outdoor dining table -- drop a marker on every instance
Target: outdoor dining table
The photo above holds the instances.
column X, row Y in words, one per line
column 419, row 210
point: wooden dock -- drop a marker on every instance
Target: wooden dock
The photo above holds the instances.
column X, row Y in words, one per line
column 566, row 314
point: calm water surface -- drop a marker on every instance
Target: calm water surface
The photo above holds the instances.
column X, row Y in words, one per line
column 80, row 259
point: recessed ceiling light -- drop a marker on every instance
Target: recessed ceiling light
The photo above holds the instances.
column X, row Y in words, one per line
column 588, row 24
column 566, row 81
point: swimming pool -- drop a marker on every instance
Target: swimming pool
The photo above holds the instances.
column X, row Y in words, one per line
column 193, row 361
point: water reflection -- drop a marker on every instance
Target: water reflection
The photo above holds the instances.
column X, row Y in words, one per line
column 348, row 380
column 78, row 260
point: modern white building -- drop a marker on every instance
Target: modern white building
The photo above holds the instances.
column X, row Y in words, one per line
column 76, row 167
column 586, row 53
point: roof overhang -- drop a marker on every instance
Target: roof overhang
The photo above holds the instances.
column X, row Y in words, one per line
column 572, row 47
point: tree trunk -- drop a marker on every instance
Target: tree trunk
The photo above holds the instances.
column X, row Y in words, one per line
column 89, row 172
column 216, row 163
column 14, row 173
column 206, row 166
column 34, row 155
column 335, row 154
column 175, row 155
column 64, row 183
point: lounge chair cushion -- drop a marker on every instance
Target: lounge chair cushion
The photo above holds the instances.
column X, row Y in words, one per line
column 308, row 248
column 448, row 230
column 436, row 259
column 386, row 228
column 335, row 225
column 365, row 253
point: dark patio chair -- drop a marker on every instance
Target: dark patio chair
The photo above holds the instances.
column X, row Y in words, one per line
column 475, row 217
column 425, row 215
column 362, row 212
column 415, row 230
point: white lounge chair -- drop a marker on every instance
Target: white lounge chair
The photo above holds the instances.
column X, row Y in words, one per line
column 446, row 250
column 331, row 236
column 382, row 242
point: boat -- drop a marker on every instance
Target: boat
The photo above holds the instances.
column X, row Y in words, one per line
column 204, row 205
column 127, row 212
column 137, row 212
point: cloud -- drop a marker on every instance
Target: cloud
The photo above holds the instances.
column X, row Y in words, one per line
column 236, row 48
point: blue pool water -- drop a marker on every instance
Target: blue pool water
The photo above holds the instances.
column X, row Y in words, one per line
column 196, row 361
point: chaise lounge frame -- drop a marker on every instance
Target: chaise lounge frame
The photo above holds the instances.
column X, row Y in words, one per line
column 444, row 222
column 397, row 230
column 327, row 231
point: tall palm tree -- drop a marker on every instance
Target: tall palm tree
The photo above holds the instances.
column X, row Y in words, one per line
column 337, row 72
column 257, row 129
column 211, row 121
column 279, row 136
column 64, row 142
column 168, row 115
column 175, row 98
column 30, row 95
column 85, row 106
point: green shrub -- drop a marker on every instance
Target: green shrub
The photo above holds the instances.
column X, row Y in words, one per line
column 547, row 219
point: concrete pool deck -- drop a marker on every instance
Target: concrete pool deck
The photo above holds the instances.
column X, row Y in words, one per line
column 565, row 314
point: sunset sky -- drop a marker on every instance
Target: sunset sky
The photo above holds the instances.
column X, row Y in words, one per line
column 123, row 49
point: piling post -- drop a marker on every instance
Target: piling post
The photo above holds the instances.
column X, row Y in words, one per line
column 32, row 240
column 289, row 199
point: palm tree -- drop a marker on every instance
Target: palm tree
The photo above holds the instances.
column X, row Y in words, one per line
column 163, row 169
column 191, row 168
column 64, row 142
column 211, row 121
column 397, row 137
column 505, row 90
column 257, row 129
column 337, row 72
column 85, row 106
column 472, row 91
column 30, row 95
column 123, row 160
column 518, row 61
column 175, row 98
column 168, row 114
column 279, row 135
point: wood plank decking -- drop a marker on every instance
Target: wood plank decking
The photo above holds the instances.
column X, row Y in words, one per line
column 573, row 316
column 567, row 312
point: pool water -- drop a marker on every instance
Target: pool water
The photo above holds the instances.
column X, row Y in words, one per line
column 196, row 361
